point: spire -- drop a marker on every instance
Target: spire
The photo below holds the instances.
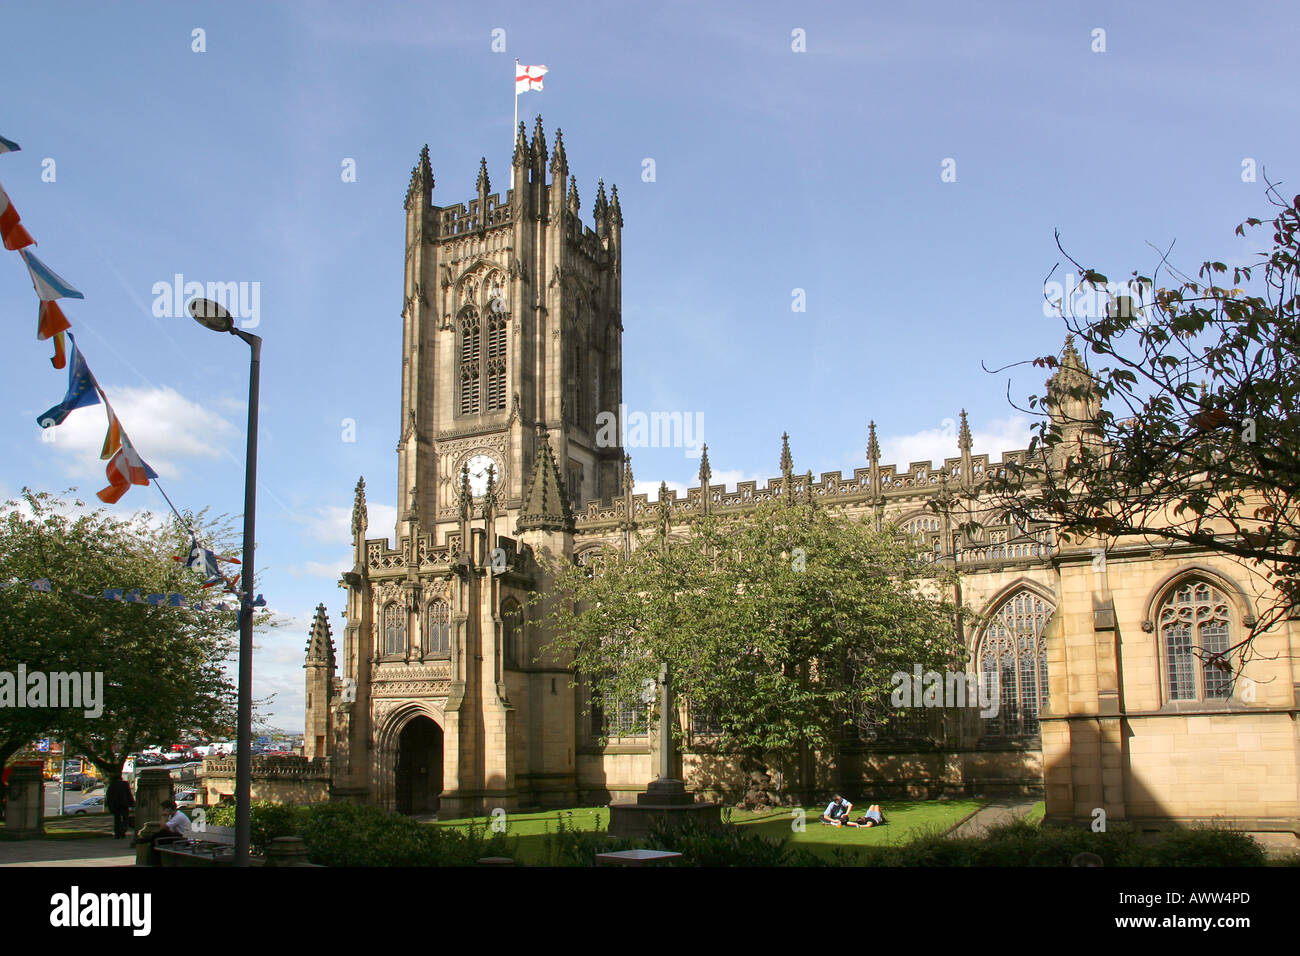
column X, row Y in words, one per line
column 627, row 474
column 575, row 208
column 963, row 435
column 421, row 179
column 559, row 164
column 359, row 517
column 873, row 461
column 484, row 185
column 664, row 509
column 787, row 461
column 615, row 211
column 808, row 489
column 539, row 144
column 521, row 147
column 600, row 209
column 705, row 471
column 546, row 506
column 466, row 497
column 320, row 642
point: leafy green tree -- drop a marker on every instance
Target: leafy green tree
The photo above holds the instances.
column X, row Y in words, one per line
column 784, row 624
column 1186, row 428
column 162, row 667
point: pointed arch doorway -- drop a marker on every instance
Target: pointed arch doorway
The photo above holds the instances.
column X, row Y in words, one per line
column 419, row 766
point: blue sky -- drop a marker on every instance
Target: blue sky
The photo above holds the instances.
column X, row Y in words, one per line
column 775, row 170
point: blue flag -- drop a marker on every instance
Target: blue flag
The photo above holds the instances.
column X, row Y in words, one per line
column 81, row 390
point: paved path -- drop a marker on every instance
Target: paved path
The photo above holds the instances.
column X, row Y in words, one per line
column 998, row 810
column 92, row 850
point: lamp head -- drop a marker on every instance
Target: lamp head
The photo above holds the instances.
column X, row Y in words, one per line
column 212, row 315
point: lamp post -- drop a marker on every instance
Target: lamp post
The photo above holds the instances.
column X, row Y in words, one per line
column 211, row 315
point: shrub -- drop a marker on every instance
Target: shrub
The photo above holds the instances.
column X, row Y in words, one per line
column 267, row 820
column 702, row 845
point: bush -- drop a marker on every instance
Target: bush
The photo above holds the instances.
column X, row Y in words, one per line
column 347, row 834
column 573, row 847
column 702, row 845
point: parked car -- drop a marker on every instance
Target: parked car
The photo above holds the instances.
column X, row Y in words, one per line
column 89, row 805
column 78, row 781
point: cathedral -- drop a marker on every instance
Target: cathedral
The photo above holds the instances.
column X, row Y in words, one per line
column 443, row 700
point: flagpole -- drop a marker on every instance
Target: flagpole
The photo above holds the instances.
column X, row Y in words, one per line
column 514, row 129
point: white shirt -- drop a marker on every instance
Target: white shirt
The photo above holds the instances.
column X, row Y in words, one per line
column 179, row 823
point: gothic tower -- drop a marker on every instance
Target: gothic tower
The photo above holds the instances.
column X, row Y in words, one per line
column 511, row 347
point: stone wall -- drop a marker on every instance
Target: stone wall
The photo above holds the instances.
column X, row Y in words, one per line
column 294, row 780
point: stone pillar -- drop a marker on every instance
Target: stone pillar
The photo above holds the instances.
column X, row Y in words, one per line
column 153, row 785
column 25, row 813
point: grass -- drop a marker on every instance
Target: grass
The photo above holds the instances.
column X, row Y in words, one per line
column 1036, row 813
column 531, row 832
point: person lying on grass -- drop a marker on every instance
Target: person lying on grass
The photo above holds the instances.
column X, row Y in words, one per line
column 837, row 812
column 874, row 817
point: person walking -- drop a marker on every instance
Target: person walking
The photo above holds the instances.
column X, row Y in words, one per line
column 119, row 801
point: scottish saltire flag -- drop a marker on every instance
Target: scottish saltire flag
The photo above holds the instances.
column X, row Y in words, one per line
column 126, row 468
column 47, row 283
column 11, row 225
column 528, row 78
column 8, row 146
column 82, row 391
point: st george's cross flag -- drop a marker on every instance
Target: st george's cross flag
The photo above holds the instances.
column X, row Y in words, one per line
column 528, row 78
column 11, row 225
column 82, row 391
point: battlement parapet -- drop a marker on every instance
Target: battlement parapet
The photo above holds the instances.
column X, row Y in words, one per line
column 466, row 217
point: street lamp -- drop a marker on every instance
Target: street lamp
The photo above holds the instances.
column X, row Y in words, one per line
column 211, row 315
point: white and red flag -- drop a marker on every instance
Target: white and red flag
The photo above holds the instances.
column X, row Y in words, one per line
column 528, row 78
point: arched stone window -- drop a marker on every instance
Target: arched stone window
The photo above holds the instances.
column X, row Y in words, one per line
column 496, row 361
column 1195, row 624
column 394, row 628
column 471, row 351
column 512, row 618
column 437, row 629
column 1013, row 660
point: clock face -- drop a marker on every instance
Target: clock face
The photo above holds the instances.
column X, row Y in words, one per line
column 479, row 466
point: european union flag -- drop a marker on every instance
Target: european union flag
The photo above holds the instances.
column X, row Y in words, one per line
column 82, row 391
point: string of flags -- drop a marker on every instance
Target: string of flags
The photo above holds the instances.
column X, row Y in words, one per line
column 133, row 596
column 125, row 467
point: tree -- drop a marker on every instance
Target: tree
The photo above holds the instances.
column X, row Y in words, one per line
column 162, row 667
column 1189, row 431
column 784, row 625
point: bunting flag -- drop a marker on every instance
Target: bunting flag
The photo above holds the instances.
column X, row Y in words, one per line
column 125, row 468
column 205, row 561
column 47, row 283
column 113, row 438
column 11, row 225
column 50, row 320
column 133, row 596
column 8, row 146
column 83, row 392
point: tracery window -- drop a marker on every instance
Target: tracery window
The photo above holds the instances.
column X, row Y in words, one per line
column 1013, row 662
column 511, row 631
column 1194, row 625
column 471, row 331
column 394, row 628
column 437, row 629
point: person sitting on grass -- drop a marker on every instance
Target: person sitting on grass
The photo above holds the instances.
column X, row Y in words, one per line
column 837, row 812
column 874, row 817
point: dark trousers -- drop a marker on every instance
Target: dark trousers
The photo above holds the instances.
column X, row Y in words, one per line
column 120, row 818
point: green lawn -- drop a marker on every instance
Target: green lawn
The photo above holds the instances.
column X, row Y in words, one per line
column 529, row 832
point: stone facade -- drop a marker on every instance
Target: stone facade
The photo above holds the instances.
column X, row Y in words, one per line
column 512, row 330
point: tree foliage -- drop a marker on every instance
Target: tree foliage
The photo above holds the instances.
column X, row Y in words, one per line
column 1187, row 428
column 163, row 674
column 783, row 625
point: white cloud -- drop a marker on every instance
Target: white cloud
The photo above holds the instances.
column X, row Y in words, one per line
column 321, row 569
column 936, row 444
column 165, row 427
column 332, row 524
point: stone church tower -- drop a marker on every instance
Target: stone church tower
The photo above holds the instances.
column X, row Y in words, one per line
column 511, row 345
